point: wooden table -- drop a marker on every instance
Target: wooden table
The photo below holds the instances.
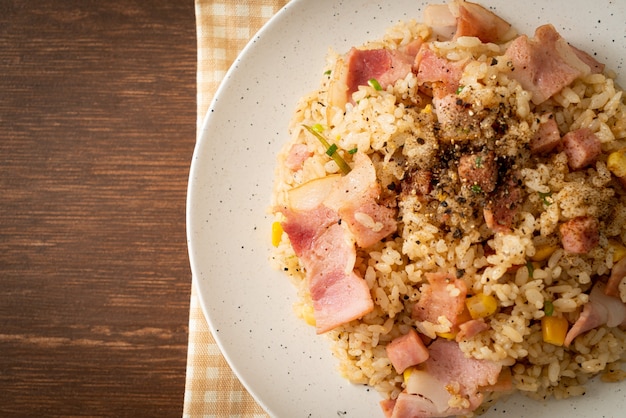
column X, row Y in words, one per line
column 97, row 128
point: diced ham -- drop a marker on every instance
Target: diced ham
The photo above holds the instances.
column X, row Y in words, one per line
column 368, row 221
column 582, row 148
column 387, row 406
column 595, row 66
column 545, row 64
column 406, row 351
column 385, row 65
column 447, row 373
column 500, row 211
column 418, row 182
column 480, row 169
column 547, row 137
column 474, row 20
column 355, row 200
column 600, row 310
column 579, row 235
column 470, row 329
column 618, row 273
column 431, row 68
column 297, row 155
column 457, row 120
column 444, row 295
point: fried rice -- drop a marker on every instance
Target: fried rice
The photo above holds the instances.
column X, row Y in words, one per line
column 525, row 268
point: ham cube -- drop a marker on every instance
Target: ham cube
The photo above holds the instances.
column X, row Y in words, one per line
column 444, row 295
column 479, row 170
column 406, row 351
column 580, row 235
column 582, row 148
column 547, row 137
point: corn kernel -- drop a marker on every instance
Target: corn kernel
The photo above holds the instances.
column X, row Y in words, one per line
column 542, row 253
column 481, row 305
column 307, row 314
column 447, row 335
column 619, row 250
column 277, row 233
column 428, row 108
column 616, row 162
column 554, row 329
column 407, row 373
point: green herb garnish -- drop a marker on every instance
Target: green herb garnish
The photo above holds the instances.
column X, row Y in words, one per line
column 543, row 197
column 479, row 161
column 548, row 308
column 316, row 130
column 531, row 269
column 459, row 89
column 374, row 84
column 353, row 151
column 327, row 72
column 476, row 188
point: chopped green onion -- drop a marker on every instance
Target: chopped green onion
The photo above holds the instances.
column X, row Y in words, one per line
column 315, row 131
column 331, row 150
column 353, row 151
column 476, row 188
column 543, row 198
column 548, row 308
column 531, row 269
column 479, row 161
column 318, row 128
column 374, row 84
column 327, row 72
column 459, row 89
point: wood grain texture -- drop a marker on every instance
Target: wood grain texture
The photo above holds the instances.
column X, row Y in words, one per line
column 97, row 128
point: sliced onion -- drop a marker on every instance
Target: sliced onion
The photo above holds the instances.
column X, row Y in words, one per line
column 312, row 193
column 429, row 387
column 441, row 18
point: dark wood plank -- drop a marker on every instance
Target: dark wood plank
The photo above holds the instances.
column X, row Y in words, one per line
column 97, row 122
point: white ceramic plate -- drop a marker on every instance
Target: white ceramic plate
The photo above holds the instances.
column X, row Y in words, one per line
column 280, row 360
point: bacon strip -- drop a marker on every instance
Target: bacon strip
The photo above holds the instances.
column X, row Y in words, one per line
column 545, row 64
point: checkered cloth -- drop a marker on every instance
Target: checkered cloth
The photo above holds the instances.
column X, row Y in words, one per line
column 223, row 29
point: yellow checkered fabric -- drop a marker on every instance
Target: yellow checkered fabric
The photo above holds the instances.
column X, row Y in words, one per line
column 223, row 29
